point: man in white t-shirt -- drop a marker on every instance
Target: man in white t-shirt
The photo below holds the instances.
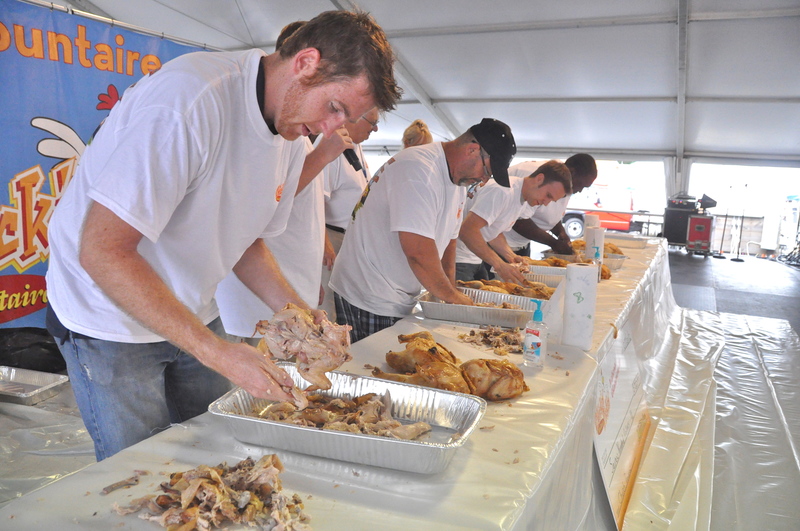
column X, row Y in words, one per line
column 544, row 226
column 494, row 211
column 191, row 169
column 402, row 237
column 298, row 250
column 343, row 185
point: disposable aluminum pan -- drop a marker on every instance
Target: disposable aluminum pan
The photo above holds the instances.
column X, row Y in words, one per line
column 614, row 261
column 27, row 387
column 551, row 276
column 433, row 308
column 453, row 417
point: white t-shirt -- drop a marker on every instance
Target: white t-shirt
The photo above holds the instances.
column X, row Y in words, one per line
column 343, row 188
column 298, row 251
column 545, row 217
column 501, row 207
column 412, row 192
column 186, row 159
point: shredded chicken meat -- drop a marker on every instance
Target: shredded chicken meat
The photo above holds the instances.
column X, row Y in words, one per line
column 317, row 347
column 367, row 414
column 502, row 341
column 248, row 493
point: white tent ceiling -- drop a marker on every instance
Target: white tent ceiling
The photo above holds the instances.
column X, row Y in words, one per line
column 711, row 80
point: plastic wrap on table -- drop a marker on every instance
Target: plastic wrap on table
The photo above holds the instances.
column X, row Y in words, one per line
column 757, row 442
column 40, row 445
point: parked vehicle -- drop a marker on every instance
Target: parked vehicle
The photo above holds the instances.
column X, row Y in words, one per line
column 599, row 196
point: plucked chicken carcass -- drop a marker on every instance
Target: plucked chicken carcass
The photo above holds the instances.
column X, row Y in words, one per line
column 317, row 347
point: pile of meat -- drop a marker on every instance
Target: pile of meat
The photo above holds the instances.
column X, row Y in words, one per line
column 317, row 347
column 537, row 290
column 426, row 362
column 367, row 414
column 247, row 493
column 502, row 341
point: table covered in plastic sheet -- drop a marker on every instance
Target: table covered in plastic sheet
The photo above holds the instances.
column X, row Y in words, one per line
column 529, row 465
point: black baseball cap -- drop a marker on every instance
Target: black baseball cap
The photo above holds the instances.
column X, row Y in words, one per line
column 495, row 137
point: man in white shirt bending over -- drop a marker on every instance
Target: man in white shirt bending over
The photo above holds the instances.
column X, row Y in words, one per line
column 495, row 209
column 403, row 234
column 544, row 226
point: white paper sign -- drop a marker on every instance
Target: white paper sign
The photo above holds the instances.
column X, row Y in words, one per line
column 621, row 421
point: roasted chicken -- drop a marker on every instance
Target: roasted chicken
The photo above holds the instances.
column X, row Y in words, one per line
column 489, row 379
column 437, row 374
column 421, row 349
column 494, row 379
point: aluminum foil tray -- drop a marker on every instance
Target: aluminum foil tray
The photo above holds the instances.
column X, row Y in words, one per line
column 453, row 416
column 547, row 275
column 433, row 308
column 614, row 261
column 27, row 387
column 573, row 258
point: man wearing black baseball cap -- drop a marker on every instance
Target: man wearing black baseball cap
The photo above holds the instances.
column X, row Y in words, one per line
column 402, row 236
column 496, row 139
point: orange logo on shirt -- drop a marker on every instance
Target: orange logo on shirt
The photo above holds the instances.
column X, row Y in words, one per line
column 278, row 193
column 460, row 209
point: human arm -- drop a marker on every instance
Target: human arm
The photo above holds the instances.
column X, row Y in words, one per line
column 501, row 247
column 109, row 254
column 328, row 253
column 527, row 228
column 260, row 272
column 470, row 234
column 449, row 261
column 323, row 154
column 423, row 258
column 564, row 245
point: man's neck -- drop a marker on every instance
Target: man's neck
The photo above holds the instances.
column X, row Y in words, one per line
column 261, row 82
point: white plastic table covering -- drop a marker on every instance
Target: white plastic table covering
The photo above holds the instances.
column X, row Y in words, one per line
column 533, row 469
column 757, row 468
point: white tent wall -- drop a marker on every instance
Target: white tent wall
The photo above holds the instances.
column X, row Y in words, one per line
column 680, row 80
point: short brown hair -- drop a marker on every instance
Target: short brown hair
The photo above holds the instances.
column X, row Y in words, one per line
column 350, row 44
column 555, row 171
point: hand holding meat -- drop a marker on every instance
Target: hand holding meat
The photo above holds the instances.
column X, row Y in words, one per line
column 318, row 346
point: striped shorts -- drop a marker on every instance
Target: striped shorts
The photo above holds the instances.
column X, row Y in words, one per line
column 363, row 322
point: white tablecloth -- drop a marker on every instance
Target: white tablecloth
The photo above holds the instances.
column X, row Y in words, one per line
column 531, row 467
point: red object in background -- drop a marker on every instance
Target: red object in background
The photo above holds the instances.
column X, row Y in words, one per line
column 21, row 295
column 698, row 234
column 612, row 221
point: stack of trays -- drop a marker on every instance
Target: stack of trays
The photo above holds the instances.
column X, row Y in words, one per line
column 453, row 417
column 433, row 308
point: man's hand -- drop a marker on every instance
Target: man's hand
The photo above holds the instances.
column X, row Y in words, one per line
column 509, row 273
column 460, row 298
column 563, row 247
column 252, row 370
column 328, row 254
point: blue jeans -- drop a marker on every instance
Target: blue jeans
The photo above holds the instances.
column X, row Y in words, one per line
column 127, row 392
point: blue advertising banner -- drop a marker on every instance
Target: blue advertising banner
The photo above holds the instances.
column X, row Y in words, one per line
column 61, row 74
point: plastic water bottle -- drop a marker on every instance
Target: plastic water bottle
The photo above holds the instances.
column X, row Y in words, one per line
column 534, row 346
